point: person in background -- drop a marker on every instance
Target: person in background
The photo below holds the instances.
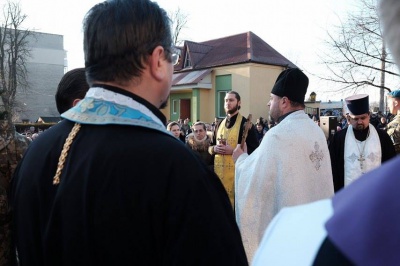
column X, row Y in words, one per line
column 393, row 128
column 260, row 132
column 71, row 89
column 175, row 129
column 374, row 119
column 12, row 148
column 185, row 127
column 109, row 185
column 343, row 121
column 226, row 136
column 199, row 141
column 290, row 167
column 383, row 123
column 360, row 224
column 214, row 123
column 360, row 147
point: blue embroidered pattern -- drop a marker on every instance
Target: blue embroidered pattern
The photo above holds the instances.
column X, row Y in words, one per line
column 102, row 112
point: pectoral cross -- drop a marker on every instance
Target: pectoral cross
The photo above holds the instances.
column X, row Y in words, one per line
column 361, row 160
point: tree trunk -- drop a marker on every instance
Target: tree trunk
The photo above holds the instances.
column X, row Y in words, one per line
column 382, row 90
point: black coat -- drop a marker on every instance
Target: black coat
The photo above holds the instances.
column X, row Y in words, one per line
column 128, row 196
column 336, row 150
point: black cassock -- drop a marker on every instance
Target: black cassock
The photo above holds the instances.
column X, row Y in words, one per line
column 128, row 196
column 336, row 150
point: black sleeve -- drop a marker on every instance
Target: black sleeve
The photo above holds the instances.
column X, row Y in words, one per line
column 336, row 152
column 251, row 141
column 328, row 255
column 387, row 147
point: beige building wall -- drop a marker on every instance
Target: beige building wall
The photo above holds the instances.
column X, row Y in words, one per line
column 206, row 111
column 240, row 83
column 252, row 81
column 262, row 80
column 167, row 110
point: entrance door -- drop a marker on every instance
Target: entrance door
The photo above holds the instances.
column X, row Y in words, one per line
column 185, row 108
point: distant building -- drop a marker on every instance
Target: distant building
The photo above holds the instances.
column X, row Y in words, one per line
column 48, row 119
column 207, row 70
column 329, row 108
column 332, row 108
column 45, row 70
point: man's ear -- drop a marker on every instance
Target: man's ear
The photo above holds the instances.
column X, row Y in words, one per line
column 158, row 63
column 395, row 102
column 285, row 101
column 75, row 102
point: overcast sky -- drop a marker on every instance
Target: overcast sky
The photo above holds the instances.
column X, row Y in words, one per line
column 294, row 28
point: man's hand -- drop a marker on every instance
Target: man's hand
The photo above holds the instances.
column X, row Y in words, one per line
column 238, row 151
column 223, row 149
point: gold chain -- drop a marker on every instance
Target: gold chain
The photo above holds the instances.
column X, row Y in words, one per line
column 64, row 153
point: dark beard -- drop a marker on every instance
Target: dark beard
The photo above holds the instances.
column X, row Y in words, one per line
column 233, row 110
column 164, row 104
column 360, row 127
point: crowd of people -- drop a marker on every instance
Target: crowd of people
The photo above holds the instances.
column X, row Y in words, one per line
column 114, row 183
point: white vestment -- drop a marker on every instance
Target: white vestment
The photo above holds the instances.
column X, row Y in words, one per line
column 295, row 235
column 356, row 165
column 290, row 167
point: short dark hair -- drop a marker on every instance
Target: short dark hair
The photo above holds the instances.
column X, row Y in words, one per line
column 72, row 86
column 200, row 123
column 237, row 96
column 173, row 123
column 296, row 104
column 119, row 35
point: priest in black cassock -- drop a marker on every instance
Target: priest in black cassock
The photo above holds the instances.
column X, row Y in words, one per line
column 360, row 147
column 109, row 185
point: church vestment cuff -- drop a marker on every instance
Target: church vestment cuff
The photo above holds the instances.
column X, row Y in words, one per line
column 211, row 150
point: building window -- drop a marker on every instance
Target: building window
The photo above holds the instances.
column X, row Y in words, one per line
column 174, row 107
column 223, row 84
column 221, row 103
column 188, row 62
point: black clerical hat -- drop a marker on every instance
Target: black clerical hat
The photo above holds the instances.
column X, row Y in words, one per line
column 291, row 83
column 358, row 104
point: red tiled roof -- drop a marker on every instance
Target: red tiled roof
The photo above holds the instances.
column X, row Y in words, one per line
column 241, row 48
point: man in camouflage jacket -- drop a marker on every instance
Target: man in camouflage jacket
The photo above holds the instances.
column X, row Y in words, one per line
column 12, row 147
column 393, row 128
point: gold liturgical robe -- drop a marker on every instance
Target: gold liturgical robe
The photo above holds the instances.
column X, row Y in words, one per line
column 224, row 166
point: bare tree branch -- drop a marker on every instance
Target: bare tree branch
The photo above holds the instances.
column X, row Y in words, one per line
column 14, row 52
column 357, row 57
column 179, row 21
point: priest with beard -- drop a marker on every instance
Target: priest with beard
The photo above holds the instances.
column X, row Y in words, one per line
column 290, row 167
column 360, row 147
column 360, row 224
column 227, row 134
